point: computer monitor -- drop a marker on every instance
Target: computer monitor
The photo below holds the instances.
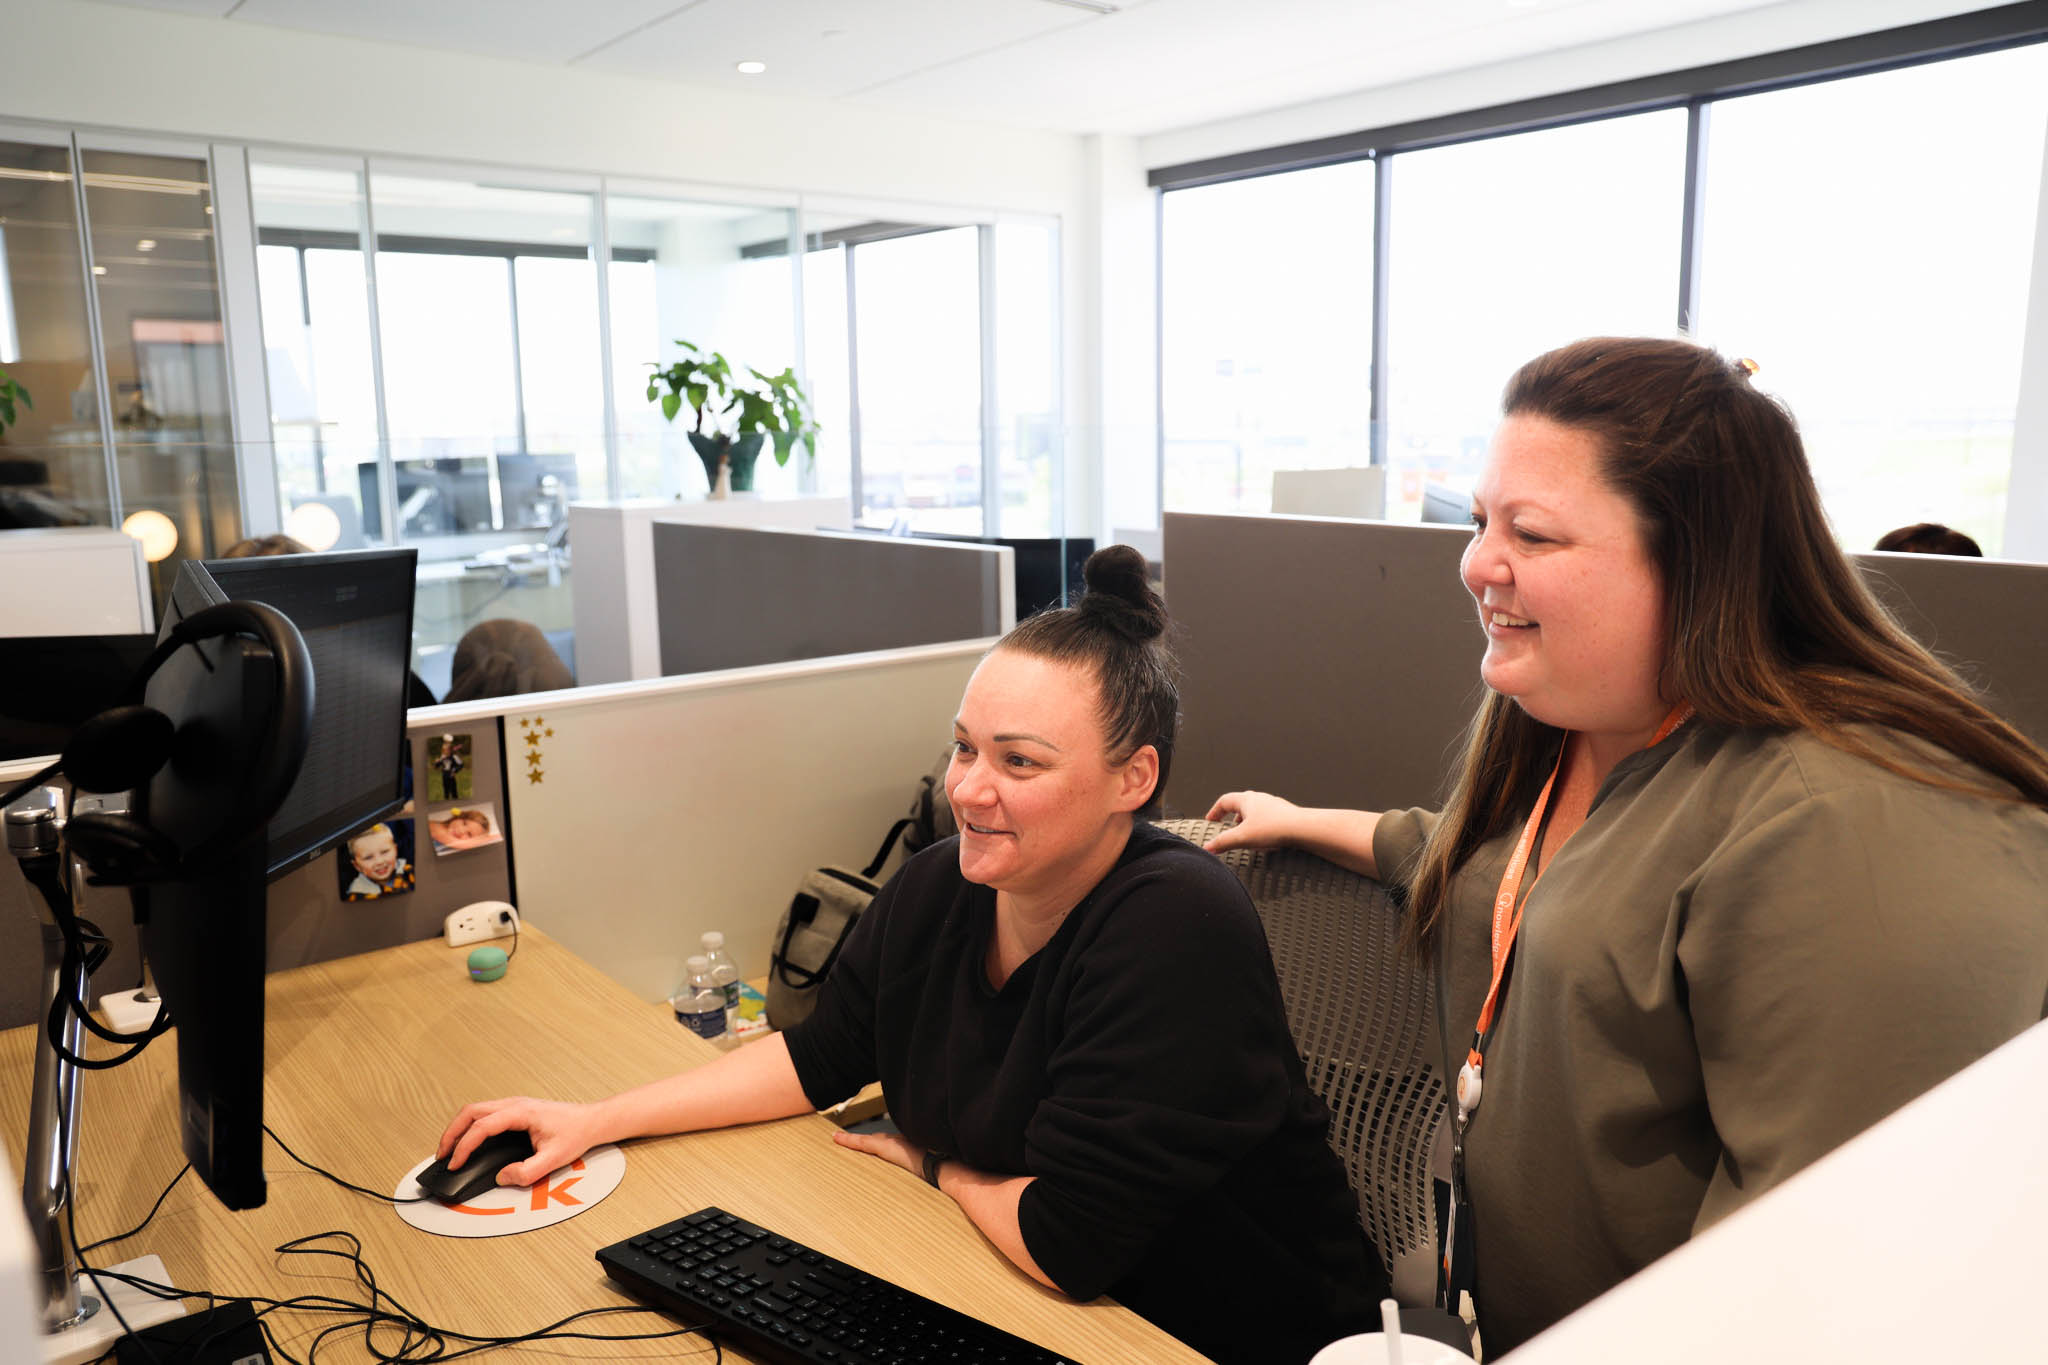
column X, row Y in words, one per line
column 52, row 684
column 204, row 930
column 1048, row 568
column 1446, row 506
column 354, row 609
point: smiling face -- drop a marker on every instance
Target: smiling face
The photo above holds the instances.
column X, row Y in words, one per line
column 467, row 827
column 1571, row 604
column 375, row 853
column 1043, row 811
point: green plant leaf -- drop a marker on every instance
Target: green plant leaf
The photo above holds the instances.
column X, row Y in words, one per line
column 671, row 404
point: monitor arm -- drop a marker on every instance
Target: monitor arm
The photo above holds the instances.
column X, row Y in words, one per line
column 32, row 837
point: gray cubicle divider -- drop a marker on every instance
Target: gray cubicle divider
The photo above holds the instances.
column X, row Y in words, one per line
column 309, row 920
column 734, row 597
column 1337, row 662
column 1334, row 662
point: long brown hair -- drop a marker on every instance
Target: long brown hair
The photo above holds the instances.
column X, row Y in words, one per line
column 1771, row 626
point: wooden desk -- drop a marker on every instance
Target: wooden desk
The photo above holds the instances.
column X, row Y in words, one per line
column 368, row 1057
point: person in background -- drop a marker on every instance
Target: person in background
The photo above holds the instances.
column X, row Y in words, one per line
column 1073, row 1016
column 505, row 658
column 258, row 546
column 1929, row 538
column 1765, row 868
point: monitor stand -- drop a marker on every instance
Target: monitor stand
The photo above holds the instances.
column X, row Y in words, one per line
column 78, row 1322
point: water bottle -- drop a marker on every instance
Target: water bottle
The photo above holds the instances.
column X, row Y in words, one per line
column 700, row 1005
column 723, row 974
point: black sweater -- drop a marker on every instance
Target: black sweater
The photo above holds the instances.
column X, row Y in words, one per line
column 1139, row 1066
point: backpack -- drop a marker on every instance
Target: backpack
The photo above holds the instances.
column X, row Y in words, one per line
column 830, row 900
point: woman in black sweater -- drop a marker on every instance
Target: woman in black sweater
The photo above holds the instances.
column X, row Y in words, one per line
column 1073, row 1016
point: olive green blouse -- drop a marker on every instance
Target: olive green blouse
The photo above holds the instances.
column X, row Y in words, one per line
column 1756, row 946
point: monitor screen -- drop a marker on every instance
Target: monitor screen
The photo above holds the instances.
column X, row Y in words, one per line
column 1048, row 568
column 354, row 609
column 52, row 684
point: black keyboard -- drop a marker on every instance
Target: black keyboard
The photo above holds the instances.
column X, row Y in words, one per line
column 783, row 1302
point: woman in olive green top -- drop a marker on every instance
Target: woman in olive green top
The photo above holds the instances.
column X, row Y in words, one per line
column 1764, row 868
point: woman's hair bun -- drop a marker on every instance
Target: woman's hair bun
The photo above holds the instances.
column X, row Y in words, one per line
column 1120, row 592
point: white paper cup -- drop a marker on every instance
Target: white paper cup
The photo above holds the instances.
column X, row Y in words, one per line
column 1370, row 1348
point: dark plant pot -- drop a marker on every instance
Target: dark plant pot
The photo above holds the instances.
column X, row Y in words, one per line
column 738, row 454
column 711, row 450
column 745, row 450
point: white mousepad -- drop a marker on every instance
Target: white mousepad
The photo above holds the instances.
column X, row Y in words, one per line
column 505, row 1209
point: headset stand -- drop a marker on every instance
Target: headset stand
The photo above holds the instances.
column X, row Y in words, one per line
column 76, row 1322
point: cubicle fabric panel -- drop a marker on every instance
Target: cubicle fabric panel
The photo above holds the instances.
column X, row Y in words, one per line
column 1333, row 662
column 1986, row 618
column 312, row 921
column 1337, row 662
column 734, row 597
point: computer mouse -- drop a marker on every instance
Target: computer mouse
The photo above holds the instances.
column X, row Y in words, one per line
column 480, row 1172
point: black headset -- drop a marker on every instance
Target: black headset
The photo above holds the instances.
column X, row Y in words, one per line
column 124, row 747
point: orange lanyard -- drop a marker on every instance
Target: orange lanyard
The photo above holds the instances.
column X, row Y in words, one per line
column 1507, row 917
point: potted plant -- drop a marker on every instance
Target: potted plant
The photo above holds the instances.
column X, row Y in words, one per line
column 11, row 394
column 734, row 416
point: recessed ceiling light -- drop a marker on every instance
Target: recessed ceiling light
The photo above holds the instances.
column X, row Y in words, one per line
column 750, row 68
column 146, row 244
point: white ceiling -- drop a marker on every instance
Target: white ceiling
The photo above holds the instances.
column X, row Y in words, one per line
column 1151, row 65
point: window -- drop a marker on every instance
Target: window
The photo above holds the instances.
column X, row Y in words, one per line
column 717, row 276
column 151, row 223
column 1867, row 241
column 56, row 468
column 1505, row 248
column 1266, row 333
column 1028, row 439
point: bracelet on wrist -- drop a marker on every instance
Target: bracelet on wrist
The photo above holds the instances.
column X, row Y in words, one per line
column 932, row 1161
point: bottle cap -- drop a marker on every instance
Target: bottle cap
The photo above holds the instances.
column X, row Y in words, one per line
column 698, row 963
column 713, row 940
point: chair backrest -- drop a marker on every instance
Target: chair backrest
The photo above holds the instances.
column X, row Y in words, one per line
column 1363, row 1014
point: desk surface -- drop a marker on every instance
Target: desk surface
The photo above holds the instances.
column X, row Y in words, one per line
column 369, row 1056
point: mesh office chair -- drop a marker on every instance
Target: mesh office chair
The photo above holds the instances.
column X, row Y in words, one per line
column 1363, row 1014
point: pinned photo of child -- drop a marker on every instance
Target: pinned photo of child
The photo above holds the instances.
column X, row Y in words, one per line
column 455, row 828
column 448, row 756
column 376, row 861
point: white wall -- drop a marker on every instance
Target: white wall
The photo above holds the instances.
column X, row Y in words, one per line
column 2026, row 507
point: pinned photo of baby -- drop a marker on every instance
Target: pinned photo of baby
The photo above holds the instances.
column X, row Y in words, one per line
column 455, row 828
column 377, row 862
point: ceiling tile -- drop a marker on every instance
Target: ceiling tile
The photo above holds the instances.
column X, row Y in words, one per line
column 552, row 31
column 827, row 48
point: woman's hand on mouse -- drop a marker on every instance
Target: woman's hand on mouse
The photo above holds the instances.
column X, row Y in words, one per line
column 560, row 1133
column 1263, row 821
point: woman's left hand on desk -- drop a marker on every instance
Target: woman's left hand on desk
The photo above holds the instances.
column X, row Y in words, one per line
column 893, row 1148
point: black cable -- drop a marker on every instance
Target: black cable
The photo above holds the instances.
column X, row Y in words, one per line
column 419, row 1340
column 183, row 1171
column 69, row 1194
column 347, row 1185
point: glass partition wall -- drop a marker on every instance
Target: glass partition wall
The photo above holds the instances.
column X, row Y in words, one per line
column 473, row 374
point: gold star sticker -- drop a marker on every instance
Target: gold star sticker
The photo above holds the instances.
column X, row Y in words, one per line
column 533, row 741
column 533, row 760
column 535, row 776
column 549, row 732
column 524, row 722
column 536, row 722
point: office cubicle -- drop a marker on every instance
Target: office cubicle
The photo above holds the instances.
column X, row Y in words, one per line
column 1337, row 662
column 732, row 597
